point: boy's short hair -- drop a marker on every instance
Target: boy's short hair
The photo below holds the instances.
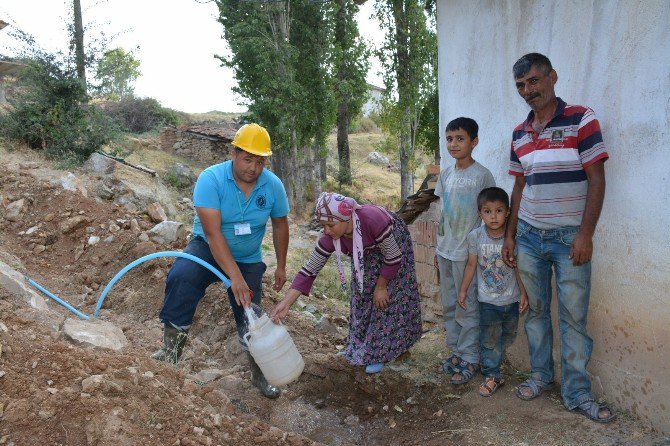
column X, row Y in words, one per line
column 527, row 61
column 491, row 194
column 468, row 124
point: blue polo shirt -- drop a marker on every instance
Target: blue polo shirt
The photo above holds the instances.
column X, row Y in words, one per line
column 216, row 189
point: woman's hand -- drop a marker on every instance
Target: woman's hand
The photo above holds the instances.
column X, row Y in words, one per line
column 380, row 299
column 280, row 311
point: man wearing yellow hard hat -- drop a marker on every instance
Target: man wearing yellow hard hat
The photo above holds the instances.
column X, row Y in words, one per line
column 233, row 202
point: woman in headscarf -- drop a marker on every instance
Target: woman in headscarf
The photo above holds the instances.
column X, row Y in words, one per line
column 385, row 314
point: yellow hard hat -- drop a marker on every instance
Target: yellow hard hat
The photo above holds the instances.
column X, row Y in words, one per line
column 254, row 139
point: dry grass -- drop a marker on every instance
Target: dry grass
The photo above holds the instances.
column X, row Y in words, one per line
column 214, row 117
column 144, row 152
column 371, row 183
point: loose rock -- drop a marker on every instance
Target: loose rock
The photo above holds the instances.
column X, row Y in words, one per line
column 14, row 210
column 73, row 223
column 166, row 232
column 378, row 159
column 156, row 212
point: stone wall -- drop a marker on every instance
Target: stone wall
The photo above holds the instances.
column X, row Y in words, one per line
column 424, row 233
column 207, row 150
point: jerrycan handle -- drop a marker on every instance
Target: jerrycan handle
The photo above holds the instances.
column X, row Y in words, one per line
column 246, row 337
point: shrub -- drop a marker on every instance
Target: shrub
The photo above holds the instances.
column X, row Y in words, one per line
column 140, row 115
column 363, row 124
column 388, row 145
column 50, row 112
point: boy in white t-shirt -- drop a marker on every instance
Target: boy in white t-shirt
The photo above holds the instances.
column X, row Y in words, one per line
column 457, row 187
column 499, row 288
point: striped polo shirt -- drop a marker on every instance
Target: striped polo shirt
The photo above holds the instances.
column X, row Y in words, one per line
column 553, row 164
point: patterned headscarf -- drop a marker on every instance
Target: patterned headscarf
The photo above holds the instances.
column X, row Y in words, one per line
column 338, row 208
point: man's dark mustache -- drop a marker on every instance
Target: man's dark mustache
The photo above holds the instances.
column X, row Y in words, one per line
column 529, row 98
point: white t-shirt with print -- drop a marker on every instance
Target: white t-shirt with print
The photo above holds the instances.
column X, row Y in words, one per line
column 458, row 190
column 496, row 282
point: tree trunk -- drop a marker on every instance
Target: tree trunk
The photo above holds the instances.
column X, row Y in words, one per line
column 406, row 163
column 316, row 157
column 403, row 75
column 324, row 167
column 344, row 174
column 297, row 176
column 279, row 163
column 79, row 42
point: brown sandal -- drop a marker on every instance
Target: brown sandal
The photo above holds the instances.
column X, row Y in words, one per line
column 490, row 386
column 467, row 370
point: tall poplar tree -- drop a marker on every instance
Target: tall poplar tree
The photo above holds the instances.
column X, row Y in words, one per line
column 407, row 55
column 78, row 37
column 352, row 64
column 278, row 54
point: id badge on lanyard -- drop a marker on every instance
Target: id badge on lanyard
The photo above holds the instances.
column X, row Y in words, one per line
column 242, row 229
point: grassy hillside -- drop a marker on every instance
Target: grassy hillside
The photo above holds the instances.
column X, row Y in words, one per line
column 214, row 117
column 372, row 183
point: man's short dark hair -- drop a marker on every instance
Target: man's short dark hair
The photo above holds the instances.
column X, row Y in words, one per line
column 468, row 124
column 491, row 194
column 525, row 63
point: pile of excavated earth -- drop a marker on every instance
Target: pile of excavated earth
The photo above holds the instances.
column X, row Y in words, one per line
column 66, row 381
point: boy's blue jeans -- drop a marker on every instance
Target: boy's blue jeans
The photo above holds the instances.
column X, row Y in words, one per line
column 187, row 282
column 538, row 250
column 462, row 326
column 498, row 325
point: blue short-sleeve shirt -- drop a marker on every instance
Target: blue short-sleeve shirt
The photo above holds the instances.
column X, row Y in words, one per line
column 216, row 189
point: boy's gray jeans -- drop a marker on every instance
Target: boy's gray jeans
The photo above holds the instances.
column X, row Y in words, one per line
column 462, row 326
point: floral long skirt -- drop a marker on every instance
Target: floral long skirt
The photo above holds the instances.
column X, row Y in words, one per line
column 383, row 335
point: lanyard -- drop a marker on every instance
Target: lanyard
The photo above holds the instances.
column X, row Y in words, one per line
column 242, row 211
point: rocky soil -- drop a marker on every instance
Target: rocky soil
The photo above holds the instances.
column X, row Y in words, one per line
column 73, row 235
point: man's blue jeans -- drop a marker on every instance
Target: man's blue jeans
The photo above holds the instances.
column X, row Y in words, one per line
column 187, row 282
column 538, row 250
column 498, row 325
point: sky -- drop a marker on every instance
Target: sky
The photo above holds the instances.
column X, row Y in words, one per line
column 175, row 41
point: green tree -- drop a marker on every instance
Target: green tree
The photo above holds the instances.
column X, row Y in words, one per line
column 279, row 51
column 408, row 56
column 50, row 111
column 116, row 72
column 428, row 132
column 351, row 60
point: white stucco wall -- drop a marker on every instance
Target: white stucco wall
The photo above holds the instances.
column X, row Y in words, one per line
column 613, row 56
column 372, row 103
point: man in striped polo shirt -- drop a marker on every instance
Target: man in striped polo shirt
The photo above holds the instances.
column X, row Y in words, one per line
column 557, row 158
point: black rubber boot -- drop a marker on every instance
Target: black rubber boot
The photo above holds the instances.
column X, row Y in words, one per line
column 258, row 380
column 174, row 340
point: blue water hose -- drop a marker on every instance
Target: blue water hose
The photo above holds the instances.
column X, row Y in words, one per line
column 121, row 273
column 57, row 299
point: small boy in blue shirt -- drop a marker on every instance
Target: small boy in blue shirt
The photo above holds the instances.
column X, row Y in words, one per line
column 458, row 186
column 499, row 287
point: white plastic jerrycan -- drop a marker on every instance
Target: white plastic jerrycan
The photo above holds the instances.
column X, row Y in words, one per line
column 273, row 349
